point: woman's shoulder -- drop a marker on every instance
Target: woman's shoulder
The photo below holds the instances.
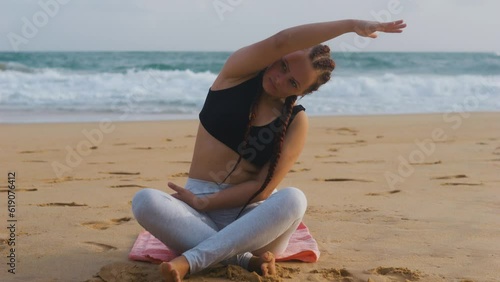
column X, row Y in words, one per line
column 298, row 108
column 298, row 116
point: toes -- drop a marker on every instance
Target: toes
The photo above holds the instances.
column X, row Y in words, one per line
column 268, row 266
column 265, row 256
column 169, row 273
column 164, row 267
column 263, row 269
column 175, row 275
column 272, row 269
column 268, row 256
column 268, row 269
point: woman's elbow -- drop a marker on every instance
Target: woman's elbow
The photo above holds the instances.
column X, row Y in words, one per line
column 281, row 40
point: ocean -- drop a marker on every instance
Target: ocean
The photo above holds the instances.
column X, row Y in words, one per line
column 134, row 86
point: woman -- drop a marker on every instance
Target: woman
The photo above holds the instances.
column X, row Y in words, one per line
column 250, row 135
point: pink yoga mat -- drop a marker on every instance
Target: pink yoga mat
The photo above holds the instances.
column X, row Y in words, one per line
column 301, row 247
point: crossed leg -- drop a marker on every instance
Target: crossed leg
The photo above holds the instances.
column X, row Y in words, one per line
column 264, row 230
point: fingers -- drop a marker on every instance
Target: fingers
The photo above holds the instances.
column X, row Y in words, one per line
column 394, row 26
column 174, row 187
column 397, row 22
column 393, row 31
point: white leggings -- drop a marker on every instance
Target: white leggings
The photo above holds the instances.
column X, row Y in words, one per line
column 212, row 237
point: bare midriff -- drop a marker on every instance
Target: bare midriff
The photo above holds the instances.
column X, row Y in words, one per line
column 213, row 161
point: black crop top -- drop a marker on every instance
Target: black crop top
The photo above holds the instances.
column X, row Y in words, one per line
column 225, row 115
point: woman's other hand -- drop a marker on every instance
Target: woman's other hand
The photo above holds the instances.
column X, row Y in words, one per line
column 369, row 29
column 188, row 197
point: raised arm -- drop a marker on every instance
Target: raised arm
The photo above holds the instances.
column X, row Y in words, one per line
column 251, row 59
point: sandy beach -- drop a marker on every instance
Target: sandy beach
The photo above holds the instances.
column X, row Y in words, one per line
column 390, row 198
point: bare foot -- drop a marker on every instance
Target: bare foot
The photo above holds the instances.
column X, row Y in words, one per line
column 174, row 270
column 264, row 264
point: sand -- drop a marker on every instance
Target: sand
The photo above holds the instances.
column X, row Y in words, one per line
column 390, row 198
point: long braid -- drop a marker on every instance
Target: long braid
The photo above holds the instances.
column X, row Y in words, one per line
column 278, row 144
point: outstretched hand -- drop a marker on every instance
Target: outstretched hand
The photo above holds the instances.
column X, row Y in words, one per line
column 369, row 29
column 188, row 197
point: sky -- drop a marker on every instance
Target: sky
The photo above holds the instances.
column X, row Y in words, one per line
column 226, row 25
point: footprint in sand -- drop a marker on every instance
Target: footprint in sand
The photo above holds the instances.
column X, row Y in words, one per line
column 180, row 162
column 429, row 163
column 69, row 178
column 343, row 131
column 120, row 173
column 461, row 184
column 99, row 225
column 101, row 247
column 122, row 144
column 450, row 177
column 121, row 219
column 334, row 274
column 127, row 186
column 103, row 225
column 457, row 176
column 320, row 211
column 397, row 273
column 385, row 193
column 324, row 156
column 37, row 151
column 356, row 142
column 142, row 148
column 336, row 162
column 31, row 152
column 72, row 204
column 125, row 271
column 63, row 179
column 342, row 180
column 300, row 170
column 359, row 210
column 19, row 190
column 180, row 174
column 359, row 162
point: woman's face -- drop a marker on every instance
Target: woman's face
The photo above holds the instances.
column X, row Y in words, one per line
column 291, row 75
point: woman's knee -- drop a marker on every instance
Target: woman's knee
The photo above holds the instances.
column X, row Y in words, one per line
column 143, row 200
column 294, row 200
